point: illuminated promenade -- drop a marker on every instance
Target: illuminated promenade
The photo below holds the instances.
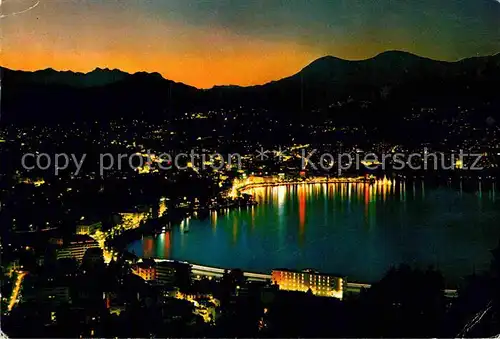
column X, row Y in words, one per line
column 240, row 186
column 15, row 291
column 129, row 221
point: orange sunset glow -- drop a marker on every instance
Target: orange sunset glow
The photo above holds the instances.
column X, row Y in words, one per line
column 219, row 43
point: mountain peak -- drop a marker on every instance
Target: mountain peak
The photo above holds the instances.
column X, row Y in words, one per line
column 47, row 70
column 398, row 56
column 324, row 64
column 329, row 60
column 107, row 70
column 396, row 53
column 154, row 75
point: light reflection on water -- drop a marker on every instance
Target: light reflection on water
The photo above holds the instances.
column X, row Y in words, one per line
column 357, row 230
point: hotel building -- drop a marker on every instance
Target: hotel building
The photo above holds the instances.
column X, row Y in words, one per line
column 324, row 285
column 77, row 247
column 165, row 272
column 146, row 269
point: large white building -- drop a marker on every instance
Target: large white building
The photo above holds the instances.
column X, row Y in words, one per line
column 76, row 247
column 324, row 285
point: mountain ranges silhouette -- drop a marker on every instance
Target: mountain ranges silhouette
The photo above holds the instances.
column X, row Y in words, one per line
column 390, row 82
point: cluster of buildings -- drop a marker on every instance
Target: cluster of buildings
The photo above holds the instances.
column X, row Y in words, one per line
column 168, row 272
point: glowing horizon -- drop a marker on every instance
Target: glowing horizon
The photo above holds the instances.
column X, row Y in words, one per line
column 242, row 43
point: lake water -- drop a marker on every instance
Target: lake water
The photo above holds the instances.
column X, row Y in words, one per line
column 356, row 230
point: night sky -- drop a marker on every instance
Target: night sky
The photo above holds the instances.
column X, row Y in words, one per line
column 242, row 42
